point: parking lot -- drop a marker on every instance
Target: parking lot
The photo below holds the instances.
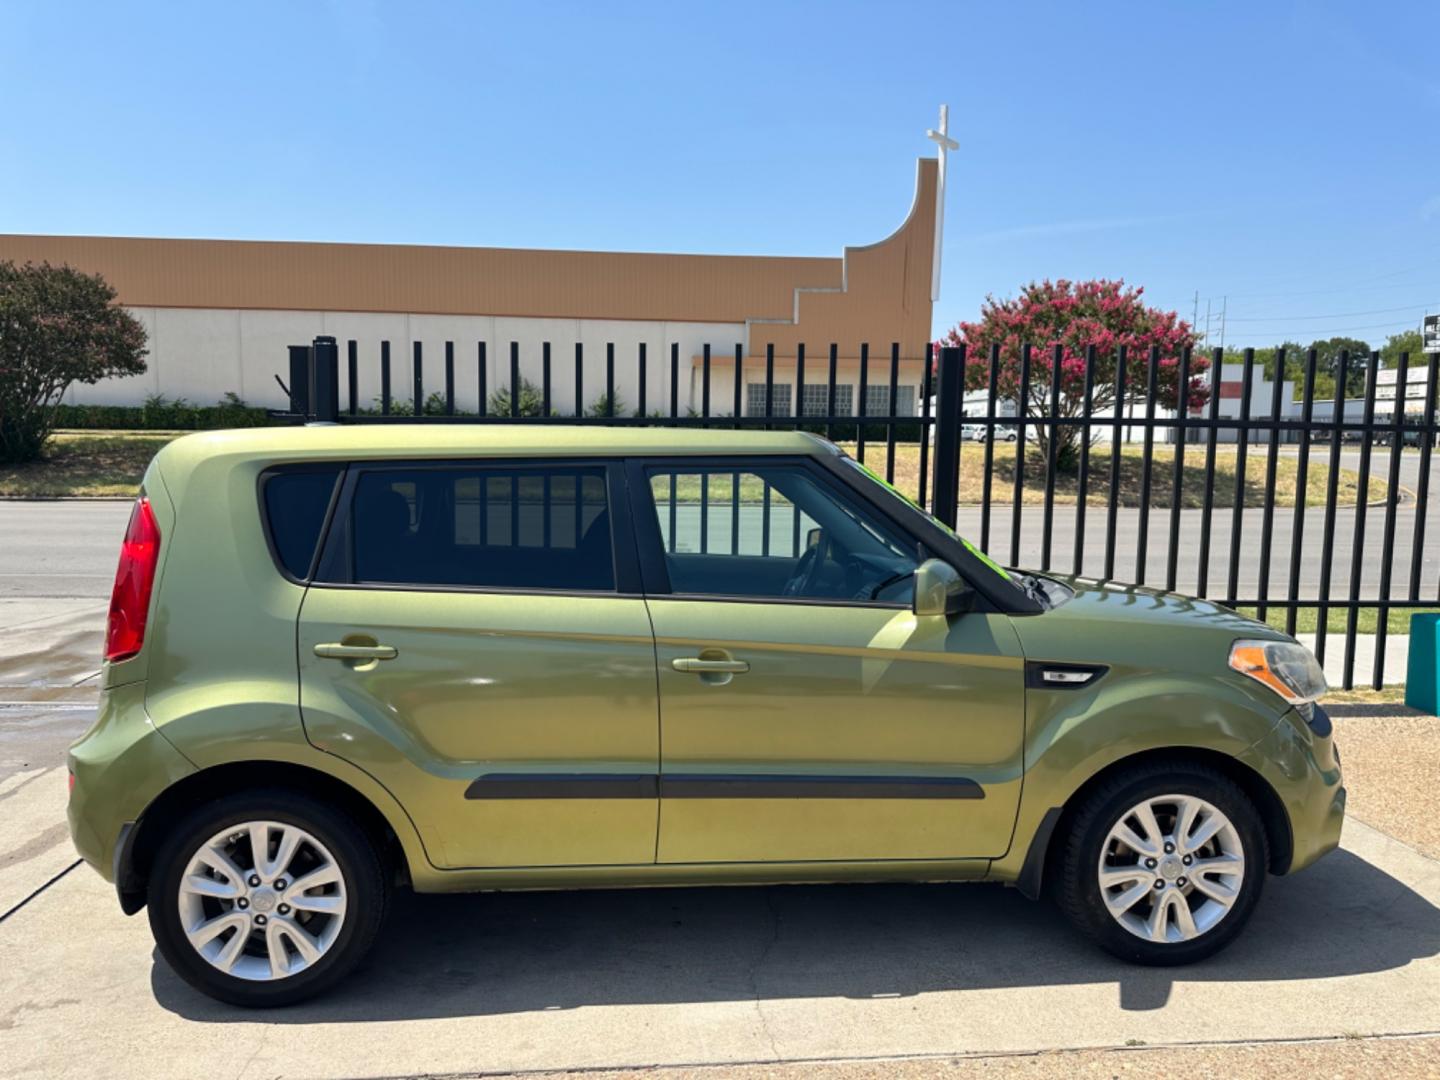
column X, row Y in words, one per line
column 869, row 976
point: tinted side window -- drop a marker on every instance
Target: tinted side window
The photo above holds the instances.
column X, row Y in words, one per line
column 295, row 505
column 774, row 531
column 488, row 526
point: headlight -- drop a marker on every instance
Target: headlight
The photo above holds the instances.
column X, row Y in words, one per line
column 1286, row 667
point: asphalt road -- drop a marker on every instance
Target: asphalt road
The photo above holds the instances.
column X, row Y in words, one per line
column 60, row 549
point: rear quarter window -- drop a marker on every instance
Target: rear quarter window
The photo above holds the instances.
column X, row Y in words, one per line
column 296, row 502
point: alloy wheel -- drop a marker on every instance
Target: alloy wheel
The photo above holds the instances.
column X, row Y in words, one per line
column 262, row 900
column 1171, row 868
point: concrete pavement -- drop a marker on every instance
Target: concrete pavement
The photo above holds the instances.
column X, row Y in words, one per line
column 507, row 982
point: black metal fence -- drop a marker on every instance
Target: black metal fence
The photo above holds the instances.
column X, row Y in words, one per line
column 1072, row 502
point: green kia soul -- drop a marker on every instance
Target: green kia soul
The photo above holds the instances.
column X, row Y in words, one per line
column 343, row 660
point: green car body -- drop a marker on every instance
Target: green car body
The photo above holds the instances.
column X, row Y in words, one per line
column 600, row 760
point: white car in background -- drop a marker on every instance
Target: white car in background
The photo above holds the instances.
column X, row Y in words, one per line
column 976, row 432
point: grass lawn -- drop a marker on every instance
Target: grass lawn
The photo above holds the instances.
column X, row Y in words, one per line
column 1368, row 621
column 1192, row 484
column 112, row 463
column 86, row 464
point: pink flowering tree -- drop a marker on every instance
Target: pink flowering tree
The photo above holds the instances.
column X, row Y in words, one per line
column 1075, row 315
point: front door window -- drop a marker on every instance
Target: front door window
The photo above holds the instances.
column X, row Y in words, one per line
column 776, row 532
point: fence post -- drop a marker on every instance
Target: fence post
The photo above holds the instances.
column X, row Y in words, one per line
column 950, row 397
column 325, row 380
column 299, row 380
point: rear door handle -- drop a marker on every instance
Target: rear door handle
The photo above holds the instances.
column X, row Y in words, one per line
column 337, row 651
column 696, row 666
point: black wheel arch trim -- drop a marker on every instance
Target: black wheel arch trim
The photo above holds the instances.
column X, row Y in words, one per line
column 1032, row 873
column 129, row 886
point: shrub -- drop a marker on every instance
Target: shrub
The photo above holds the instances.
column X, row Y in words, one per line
column 600, row 406
column 160, row 413
column 532, row 400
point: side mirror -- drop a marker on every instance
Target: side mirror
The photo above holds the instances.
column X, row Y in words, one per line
column 940, row 590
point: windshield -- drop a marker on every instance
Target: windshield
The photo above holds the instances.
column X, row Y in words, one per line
column 1027, row 584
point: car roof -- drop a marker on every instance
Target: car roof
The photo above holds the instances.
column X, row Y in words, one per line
column 386, row 440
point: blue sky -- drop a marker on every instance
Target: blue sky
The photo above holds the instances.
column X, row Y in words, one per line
column 1286, row 155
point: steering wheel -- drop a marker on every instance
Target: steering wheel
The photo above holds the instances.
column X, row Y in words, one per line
column 807, row 571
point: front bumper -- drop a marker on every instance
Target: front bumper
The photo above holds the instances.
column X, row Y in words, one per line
column 120, row 765
column 1299, row 760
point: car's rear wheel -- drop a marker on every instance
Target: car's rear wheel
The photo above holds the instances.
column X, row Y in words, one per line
column 265, row 898
column 1164, row 864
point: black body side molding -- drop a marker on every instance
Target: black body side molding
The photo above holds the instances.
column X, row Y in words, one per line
column 718, row 786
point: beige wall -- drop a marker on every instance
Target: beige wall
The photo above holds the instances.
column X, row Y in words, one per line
column 886, row 294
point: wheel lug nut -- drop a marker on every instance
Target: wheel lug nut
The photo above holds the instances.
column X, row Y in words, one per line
column 280, row 884
column 260, row 920
column 1187, row 860
column 1149, row 864
column 1169, row 849
column 1159, row 883
column 284, row 909
column 254, row 880
column 242, row 903
column 1180, row 882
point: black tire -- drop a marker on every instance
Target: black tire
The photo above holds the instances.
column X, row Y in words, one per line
column 1078, row 886
column 366, row 887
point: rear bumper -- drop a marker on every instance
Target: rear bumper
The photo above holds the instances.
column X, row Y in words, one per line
column 1299, row 760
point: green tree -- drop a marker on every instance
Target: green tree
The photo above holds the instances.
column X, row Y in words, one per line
column 57, row 327
column 1411, row 341
column 1294, row 361
column 1329, row 361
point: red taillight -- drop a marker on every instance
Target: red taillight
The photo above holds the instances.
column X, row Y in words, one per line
column 134, row 577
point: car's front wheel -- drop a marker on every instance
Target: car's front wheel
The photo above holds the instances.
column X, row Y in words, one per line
column 265, row 898
column 1164, row 864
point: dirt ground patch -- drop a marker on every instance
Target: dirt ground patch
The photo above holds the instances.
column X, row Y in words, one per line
column 1391, row 758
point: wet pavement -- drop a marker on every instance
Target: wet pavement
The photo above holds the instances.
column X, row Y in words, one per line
column 54, row 590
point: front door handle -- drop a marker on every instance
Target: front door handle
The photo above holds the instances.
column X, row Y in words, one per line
column 694, row 665
column 337, row 651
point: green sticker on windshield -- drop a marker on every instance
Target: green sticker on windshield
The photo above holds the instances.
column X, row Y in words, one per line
column 991, row 563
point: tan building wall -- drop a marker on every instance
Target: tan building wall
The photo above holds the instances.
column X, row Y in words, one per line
column 220, row 311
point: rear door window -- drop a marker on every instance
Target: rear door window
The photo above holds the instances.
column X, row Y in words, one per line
column 296, row 501
column 486, row 526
